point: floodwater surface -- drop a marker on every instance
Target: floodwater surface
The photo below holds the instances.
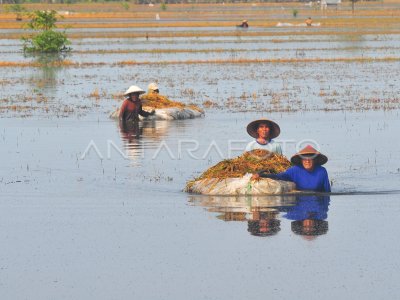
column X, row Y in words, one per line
column 92, row 211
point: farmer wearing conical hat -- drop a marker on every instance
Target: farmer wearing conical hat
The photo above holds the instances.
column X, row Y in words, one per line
column 307, row 172
column 131, row 108
column 264, row 131
column 153, row 88
column 244, row 24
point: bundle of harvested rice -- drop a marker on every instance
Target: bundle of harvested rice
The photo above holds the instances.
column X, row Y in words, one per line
column 232, row 176
column 159, row 101
column 249, row 162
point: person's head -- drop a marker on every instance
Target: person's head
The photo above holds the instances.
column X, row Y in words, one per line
column 153, row 88
column 263, row 128
column 133, row 93
column 308, row 158
column 308, row 163
column 310, row 227
column 264, row 223
column 263, row 227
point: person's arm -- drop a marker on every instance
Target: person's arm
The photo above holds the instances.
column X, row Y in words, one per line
column 286, row 176
column 327, row 185
column 144, row 113
column 122, row 111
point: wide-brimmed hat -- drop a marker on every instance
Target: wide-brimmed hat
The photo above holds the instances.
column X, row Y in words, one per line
column 134, row 89
column 308, row 152
column 253, row 126
column 267, row 228
column 153, row 86
column 316, row 227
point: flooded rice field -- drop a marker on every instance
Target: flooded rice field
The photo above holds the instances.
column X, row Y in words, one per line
column 159, row 50
column 90, row 210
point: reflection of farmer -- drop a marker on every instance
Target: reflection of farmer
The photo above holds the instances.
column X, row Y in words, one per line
column 264, row 223
column 130, row 130
column 309, row 21
column 307, row 172
column 131, row 108
column 264, row 131
column 244, row 24
column 309, row 215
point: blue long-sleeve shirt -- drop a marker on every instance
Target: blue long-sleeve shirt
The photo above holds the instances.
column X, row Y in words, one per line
column 317, row 180
column 309, row 207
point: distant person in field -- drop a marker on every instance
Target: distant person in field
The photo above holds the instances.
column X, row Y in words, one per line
column 153, row 88
column 264, row 131
column 309, row 21
column 244, row 24
column 131, row 108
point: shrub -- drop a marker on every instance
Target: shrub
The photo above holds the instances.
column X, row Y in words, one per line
column 295, row 12
column 48, row 40
column 125, row 5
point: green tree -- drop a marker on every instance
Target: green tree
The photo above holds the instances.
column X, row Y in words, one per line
column 125, row 5
column 18, row 9
column 48, row 40
column 43, row 20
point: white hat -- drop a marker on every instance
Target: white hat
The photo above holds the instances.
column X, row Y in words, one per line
column 134, row 89
column 153, row 86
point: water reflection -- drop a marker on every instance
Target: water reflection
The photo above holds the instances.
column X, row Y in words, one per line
column 309, row 216
column 140, row 135
column 261, row 213
column 50, row 65
column 264, row 223
column 307, row 212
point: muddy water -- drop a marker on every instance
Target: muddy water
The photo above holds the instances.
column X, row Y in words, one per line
column 92, row 211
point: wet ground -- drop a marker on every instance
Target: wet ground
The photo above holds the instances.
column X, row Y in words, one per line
column 91, row 211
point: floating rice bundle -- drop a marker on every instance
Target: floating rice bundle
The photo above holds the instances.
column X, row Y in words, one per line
column 166, row 109
column 158, row 101
column 232, row 176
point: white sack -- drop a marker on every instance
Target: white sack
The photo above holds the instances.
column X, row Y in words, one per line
column 241, row 186
column 172, row 113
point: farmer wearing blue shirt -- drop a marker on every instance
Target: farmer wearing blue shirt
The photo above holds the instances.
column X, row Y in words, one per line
column 307, row 172
column 309, row 216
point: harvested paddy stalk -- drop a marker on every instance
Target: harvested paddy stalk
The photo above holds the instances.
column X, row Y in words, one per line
column 159, row 101
column 232, row 176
